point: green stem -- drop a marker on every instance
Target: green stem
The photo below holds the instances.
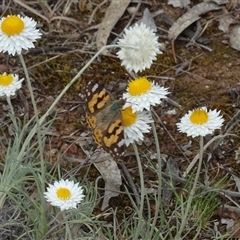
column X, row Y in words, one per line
column 40, row 140
column 159, row 172
column 158, row 155
column 13, row 113
column 43, row 118
column 3, row 196
column 142, row 190
column 192, row 192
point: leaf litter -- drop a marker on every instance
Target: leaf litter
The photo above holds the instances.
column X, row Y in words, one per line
column 190, row 17
column 179, row 3
column 111, row 175
column 181, row 24
column 115, row 10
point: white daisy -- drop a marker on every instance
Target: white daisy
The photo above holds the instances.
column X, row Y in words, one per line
column 138, row 48
column 64, row 194
column 200, row 122
column 9, row 84
column 142, row 94
column 135, row 124
column 17, row 33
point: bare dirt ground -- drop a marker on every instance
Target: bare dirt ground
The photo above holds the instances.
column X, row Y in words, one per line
column 206, row 74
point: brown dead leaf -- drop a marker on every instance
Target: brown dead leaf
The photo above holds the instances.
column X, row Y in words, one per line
column 190, row 17
column 113, row 13
column 148, row 20
column 235, row 229
column 237, row 181
column 229, row 212
column 179, row 3
column 220, row 2
column 111, row 174
column 3, row 68
column 224, row 23
column 171, row 169
column 234, row 37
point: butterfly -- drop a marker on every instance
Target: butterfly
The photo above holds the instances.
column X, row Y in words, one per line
column 103, row 115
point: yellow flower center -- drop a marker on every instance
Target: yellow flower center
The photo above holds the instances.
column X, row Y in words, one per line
column 12, row 25
column 6, row 80
column 128, row 117
column 139, row 86
column 63, row 193
column 199, row 116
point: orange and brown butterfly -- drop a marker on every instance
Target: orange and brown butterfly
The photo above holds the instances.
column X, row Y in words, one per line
column 103, row 115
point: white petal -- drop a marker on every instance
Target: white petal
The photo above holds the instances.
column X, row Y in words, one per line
column 138, row 48
column 145, row 100
column 24, row 40
column 75, row 198
column 214, row 122
column 11, row 89
column 134, row 133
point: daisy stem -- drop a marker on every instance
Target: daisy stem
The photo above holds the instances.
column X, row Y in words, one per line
column 46, row 114
column 12, row 112
column 37, row 129
column 159, row 203
column 141, row 180
column 42, row 119
column 192, row 192
column 158, row 153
